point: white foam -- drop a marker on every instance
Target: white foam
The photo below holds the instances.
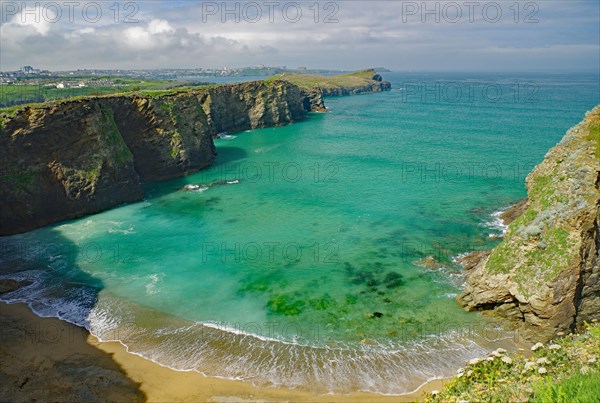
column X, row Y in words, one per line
column 195, row 188
column 496, row 224
column 151, row 285
column 127, row 231
column 220, row 350
column 226, row 136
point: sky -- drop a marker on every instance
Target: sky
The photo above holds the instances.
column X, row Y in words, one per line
column 561, row 36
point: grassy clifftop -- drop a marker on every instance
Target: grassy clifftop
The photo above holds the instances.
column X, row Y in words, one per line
column 343, row 84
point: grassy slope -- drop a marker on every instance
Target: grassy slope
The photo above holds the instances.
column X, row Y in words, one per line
column 307, row 81
column 549, row 199
column 566, row 370
column 27, row 94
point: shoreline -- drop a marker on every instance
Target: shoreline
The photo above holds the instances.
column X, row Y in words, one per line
column 34, row 350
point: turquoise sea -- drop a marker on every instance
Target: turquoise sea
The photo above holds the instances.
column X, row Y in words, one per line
column 295, row 262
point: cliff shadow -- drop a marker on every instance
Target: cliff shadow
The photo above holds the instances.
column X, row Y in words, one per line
column 227, row 155
column 223, row 166
column 43, row 356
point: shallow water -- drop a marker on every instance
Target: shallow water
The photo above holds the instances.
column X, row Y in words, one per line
column 294, row 262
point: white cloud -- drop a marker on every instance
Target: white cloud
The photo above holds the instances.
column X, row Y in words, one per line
column 368, row 33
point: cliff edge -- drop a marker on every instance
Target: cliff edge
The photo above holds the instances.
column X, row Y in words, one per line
column 545, row 275
column 360, row 82
column 66, row 159
column 75, row 157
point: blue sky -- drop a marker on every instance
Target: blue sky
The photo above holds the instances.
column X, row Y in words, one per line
column 400, row 35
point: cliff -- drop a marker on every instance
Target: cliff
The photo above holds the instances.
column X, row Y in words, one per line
column 360, row 82
column 545, row 275
column 67, row 159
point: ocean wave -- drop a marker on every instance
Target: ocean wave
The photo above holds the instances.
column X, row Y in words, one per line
column 217, row 349
column 496, row 223
column 126, row 231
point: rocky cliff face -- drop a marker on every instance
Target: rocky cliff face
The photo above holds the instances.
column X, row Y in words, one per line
column 545, row 275
column 78, row 157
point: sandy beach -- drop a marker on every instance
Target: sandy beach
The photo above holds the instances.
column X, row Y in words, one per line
column 48, row 359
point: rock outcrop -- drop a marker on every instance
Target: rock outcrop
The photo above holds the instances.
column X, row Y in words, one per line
column 360, row 82
column 545, row 275
column 76, row 157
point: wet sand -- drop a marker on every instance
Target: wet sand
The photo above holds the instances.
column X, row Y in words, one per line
column 48, row 359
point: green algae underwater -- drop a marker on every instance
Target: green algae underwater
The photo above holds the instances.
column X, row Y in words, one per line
column 294, row 260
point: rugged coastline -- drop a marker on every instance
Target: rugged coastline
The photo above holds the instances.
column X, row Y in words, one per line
column 544, row 276
column 75, row 157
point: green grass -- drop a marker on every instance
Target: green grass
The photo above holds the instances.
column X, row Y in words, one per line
column 121, row 151
column 307, row 81
column 594, row 133
column 567, row 373
column 580, row 388
column 13, row 97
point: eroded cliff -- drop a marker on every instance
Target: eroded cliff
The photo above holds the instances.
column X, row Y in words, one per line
column 545, row 275
column 76, row 157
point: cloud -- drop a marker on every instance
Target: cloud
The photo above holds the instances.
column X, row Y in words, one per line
column 186, row 34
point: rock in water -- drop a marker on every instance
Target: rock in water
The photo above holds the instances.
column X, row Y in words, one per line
column 545, row 275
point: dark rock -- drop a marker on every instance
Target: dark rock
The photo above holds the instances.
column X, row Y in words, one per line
column 8, row 285
column 513, row 212
column 393, row 280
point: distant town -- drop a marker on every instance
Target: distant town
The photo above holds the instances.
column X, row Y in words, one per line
column 26, row 73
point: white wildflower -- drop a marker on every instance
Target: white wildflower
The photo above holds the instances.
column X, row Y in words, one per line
column 542, row 370
column 529, row 365
column 543, row 361
column 536, row 346
column 554, row 346
column 435, row 392
column 469, row 373
column 507, row 360
column 490, row 359
column 475, row 361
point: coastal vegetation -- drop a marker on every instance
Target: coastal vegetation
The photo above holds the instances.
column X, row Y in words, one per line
column 44, row 90
column 310, row 82
column 550, row 250
column 565, row 370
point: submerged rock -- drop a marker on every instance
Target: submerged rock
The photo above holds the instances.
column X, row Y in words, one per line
column 8, row 285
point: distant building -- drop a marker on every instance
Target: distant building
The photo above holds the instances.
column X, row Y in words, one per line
column 27, row 70
column 60, row 85
column 301, row 69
